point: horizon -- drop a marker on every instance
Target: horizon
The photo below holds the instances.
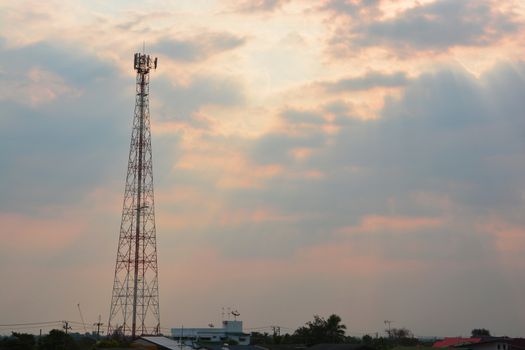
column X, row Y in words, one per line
column 359, row 158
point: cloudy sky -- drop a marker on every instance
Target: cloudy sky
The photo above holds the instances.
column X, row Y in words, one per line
column 364, row 158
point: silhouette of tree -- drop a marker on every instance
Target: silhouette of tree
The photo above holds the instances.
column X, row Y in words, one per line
column 401, row 336
column 57, row 340
column 335, row 330
column 320, row 330
column 18, row 341
column 480, row 332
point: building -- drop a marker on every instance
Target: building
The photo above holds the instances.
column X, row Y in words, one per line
column 157, row 343
column 455, row 341
column 231, row 331
column 495, row 343
column 345, row 346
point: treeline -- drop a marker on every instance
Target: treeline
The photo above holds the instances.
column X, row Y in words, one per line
column 55, row 340
column 332, row 330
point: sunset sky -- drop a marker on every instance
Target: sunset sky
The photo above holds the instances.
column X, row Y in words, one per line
column 364, row 158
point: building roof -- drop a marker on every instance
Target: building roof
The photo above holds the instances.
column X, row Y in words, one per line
column 450, row 342
column 516, row 343
column 327, row 346
column 232, row 347
column 165, row 343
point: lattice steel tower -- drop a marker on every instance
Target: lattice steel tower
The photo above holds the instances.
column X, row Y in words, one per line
column 135, row 300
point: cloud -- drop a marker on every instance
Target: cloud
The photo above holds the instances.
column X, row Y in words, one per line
column 352, row 8
column 447, row 149
column 369, row 81
column 438, row 25
column 182, row 103
column 293, row 116
column 71, row 63
column 62, row 140
column 277, row 147
column 199, row 47
column 260, row 6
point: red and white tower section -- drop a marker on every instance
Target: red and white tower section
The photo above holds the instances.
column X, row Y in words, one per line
column 135, row 299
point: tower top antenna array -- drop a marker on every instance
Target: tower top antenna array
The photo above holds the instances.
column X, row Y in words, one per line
column 143, row 63
column 134, row 307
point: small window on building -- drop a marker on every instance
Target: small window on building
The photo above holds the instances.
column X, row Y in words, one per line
column 498, row 346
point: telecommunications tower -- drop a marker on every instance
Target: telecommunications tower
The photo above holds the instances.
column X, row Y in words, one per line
column 135, row 299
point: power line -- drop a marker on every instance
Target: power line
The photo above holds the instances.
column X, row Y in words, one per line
column 29, row 323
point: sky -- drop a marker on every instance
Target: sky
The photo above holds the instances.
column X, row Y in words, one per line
column 364, row 158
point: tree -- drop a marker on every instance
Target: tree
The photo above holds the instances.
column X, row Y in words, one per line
column 335, row 330
column 367, row 339
column 260, row 338
column 57, row 340
column 18, row 341
column 399, row 333
column 401, row 336
column 322, row 331
column 480, row 332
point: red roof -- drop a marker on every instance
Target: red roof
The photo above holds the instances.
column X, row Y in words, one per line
column 450, row 342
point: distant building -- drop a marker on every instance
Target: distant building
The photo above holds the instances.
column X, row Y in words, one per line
column 158, row 343
column 495, row 343
column 231, row 330
column 455, row 341
column 345, row 346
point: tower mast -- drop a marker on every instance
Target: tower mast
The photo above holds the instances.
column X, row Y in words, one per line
column 134, row 307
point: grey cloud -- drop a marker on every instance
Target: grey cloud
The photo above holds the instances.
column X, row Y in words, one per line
column 368, row 81
column 58, row 152
column 292, row 116
column 260, row 5
column 198, row 48
column 449, row 136
column 274, row 148
column 434, row 26
column 180, row 102
column 343, row 7
column 73, row 65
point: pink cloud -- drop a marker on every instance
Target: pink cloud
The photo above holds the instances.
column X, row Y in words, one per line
column 374, row 223
column 510, row 238
column 23, row 234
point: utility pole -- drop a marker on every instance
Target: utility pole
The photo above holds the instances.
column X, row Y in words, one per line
column 66, row 326
column 389, row 329
column 276, row 331
column 98, row 324
column 135, row 297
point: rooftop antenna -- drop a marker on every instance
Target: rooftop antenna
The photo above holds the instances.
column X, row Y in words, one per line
column 143, row 46
column 235, row 313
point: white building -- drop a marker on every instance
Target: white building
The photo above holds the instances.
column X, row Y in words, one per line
column 230, row 330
